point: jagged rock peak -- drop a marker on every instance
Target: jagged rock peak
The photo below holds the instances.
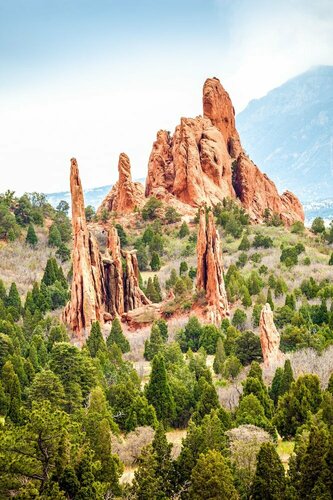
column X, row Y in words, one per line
column 125, row 195
column 217, row 106
column 269, row 338
column 210, row 268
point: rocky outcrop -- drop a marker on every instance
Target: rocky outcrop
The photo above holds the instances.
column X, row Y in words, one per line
column 217, row 106
column 203, row 162
column 125, row 195
column 258, row 194
column 134, row 296
column 269, row 338
column 210, row 268
column 87, row 292
column 101, row 288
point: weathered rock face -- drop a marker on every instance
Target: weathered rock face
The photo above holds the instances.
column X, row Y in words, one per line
column 125, row 195
column 87, row 291
column 193, row 165
column 134, row 296
column 101, row 289
column 258, row 193
column 203, row 162
column 217, row 106
column 210, row 268
column 269, row 338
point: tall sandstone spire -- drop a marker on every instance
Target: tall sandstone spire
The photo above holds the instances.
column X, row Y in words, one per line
column 269, row 338
column 101, row 288
column 203, row 162
column 87, row 291
column 125, row 195
column 210, row 268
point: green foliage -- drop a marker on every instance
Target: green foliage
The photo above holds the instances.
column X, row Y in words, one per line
column 219, row 358
column 155, row 263
column 122, row 235
column 54, row 236
column 63, row 253
column 269, row 481
column 318, row 226
column 248, row 348
column 31, row 238
column 211, row 478
column 184, row 230
column 171, row 215
column 239, row 319
column 149, row 211
column 261, row 240
column 152, row 293
column 158, row 391
column 95, row 341
column 117, row 337
column 289, row 255
column 155, row 344
column 189, row 337
column 244, row 244
column 90, row 213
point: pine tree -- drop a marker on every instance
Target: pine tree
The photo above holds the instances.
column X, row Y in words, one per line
column 31, row 238
column 246, row 300
column 13, row 302
column 50, row 273
column 275, row 390
column 117, row 337
column 12, row 390
column 158, row 391
column 244, row 244
column 162, row 450
column 287, row 378
column 219, row 357
column 163, row 326
column 95, row 341
column 330, row 262
column 184, row 230
column 269, row 481
column 155, row 263
column 151, row 292
column 208, row 400
column 157, row 287
column 47, row 387
column 155, row 343
column 183, row 268
column 269, row 299
column 290, row 301
column 147, row 484
column 54, row 236
column 212, row 479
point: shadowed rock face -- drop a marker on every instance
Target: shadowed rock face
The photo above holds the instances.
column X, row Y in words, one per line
column 101, row 289
column 87, row 291
column 269, row 338
column 125, row 195
column 203, row 162
column 210, row 268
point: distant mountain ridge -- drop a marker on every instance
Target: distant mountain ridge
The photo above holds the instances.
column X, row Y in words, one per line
column 289, row 134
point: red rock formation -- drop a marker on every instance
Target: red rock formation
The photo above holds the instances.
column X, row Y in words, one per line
column 101, row 289
column 203, row 162
column 87, row 291
column 125, row 195
column 210, row 268
column 217, row 106
column 134, row 296
column 258, row 193
column 269, row 338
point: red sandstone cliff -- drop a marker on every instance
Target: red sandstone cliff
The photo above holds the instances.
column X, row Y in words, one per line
column 203, row 162
column 269, row 338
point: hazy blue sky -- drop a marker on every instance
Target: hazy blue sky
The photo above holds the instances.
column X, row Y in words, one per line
column 93, row 78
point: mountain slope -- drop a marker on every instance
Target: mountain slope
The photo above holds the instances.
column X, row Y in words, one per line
column 289, row 133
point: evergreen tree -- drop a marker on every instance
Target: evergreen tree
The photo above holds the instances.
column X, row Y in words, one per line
column 275, row 390
column 54, row 236
column 50, row 273
column 31, row 238
column 13, row 302
column 244, row 244
column 164, row 469
column 269, row 481
column 246, row 300
column 12, row 390
column 212, row 479
column 290, row 301
column 155, row 343
column 269, row 299
column 47, row 387
column 63, row 253
column 122, row 235
column 163, row 326
column 208, row 400
column 155, row 263
column 117, row 337
column 287, row 378
column 151, row 292
column 158, row 391
column 219, row 357
column 330, row 262
column 95, row 341
column 184, row 230
column 157, row 287
column 147, row 484
column 183, row 268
